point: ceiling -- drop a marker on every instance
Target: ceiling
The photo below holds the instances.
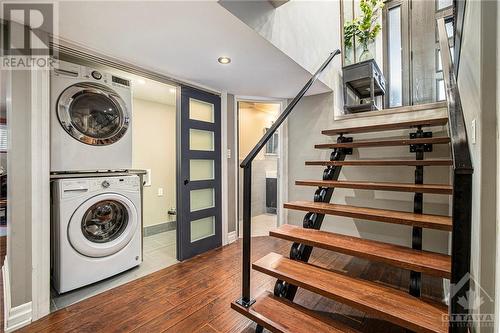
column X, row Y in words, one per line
column 183, row 39
column 271, row 108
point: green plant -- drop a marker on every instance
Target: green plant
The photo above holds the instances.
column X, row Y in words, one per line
column 349, row 33
column 366, row 27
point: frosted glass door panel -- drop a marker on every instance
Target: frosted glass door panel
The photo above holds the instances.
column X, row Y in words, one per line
column 202, row 228
column 201, row 170
column 201, row 111
column 201, row 140
column 202, row 199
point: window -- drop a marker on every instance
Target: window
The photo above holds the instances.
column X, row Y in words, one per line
column 395, row 57
column 272, row 144
column 443, row 4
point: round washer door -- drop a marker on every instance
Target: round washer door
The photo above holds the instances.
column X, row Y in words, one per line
column 93, row 114
column 103, row 225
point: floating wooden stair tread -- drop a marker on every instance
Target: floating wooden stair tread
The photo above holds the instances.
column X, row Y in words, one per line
column 387, row 126
column 381, row 186
column 438, row 222
column 390, row 304
column 421, row 261
column 438, row 162
column 384, row 143
column 280, row 315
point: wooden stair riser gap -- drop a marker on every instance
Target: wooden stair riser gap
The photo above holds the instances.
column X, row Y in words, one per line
column 380, row 186
column 384, row 143
column 437, row 222
column 382, row 163
column 387, row 126
column 434, row 264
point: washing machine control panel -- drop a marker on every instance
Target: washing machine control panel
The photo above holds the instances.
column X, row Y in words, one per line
column 128, row 182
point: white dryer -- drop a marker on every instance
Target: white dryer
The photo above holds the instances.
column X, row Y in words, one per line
column 96, row 229
column 90, row 120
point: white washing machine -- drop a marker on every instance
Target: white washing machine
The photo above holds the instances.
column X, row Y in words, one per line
column 96, row 229
column 90, row 120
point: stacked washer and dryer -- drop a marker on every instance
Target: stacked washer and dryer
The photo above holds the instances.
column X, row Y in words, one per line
column 96, row 203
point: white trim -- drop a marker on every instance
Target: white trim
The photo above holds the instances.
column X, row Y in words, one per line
column 283, row 170
column 232, row 237
column 282, row 160
column 40, row 194
column 224, row 169
column 19, row 316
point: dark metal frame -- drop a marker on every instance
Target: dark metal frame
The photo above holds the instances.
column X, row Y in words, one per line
column 245, row 299
column 314, row 220
column 462, row 189
column 185, row 248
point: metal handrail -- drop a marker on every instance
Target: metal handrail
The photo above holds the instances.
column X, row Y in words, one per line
column 462, row 190
column 262, row 142
column 245, row 299
column 459, row 144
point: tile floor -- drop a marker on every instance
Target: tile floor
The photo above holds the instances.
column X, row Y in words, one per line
column 159, row 252
column 261, row 224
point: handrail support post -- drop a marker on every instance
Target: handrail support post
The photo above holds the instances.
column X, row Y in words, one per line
column 245, row 299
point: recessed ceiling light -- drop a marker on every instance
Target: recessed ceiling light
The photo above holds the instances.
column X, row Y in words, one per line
column 224, row 60
column 172, row 90
column 141, row 81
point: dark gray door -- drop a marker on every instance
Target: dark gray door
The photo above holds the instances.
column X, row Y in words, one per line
column 199, row 223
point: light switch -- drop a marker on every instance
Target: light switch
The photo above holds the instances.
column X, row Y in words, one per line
column 160, row 191
column 229, row 153
column 473, row 132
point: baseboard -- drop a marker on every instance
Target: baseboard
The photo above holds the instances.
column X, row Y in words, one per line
column 159, row 228
column 446, row 290
column 232, row 237
column 19, row 316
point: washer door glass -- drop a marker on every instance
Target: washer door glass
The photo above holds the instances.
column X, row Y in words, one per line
column 103, row 225
column 93, row 114
column 104, row 221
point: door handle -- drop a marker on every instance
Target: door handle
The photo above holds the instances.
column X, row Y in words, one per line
column 186, row 181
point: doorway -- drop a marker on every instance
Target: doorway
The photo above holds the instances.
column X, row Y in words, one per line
column 254, row 118
column 154, row 128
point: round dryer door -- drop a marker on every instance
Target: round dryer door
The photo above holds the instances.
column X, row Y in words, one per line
column 93, row 114
column 103, row 225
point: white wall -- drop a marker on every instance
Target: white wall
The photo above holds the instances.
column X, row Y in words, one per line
column 477, row 85
column 314, row 114
column 154, row 147
column 19, row 189
column 306, row 31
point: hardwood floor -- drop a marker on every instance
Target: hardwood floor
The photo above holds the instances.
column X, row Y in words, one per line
column 195, row 296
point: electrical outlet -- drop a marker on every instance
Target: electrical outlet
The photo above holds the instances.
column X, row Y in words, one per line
column 473, row 132
column 229, row 153
column 160, row 191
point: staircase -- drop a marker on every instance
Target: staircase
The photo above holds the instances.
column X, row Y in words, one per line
column 278, row 313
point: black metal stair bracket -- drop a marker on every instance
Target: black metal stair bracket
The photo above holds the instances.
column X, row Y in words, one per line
column 418, row 202
column 314, row 220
